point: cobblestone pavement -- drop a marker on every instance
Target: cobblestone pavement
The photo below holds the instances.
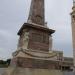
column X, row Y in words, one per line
column 2, row 70
column 63, row 73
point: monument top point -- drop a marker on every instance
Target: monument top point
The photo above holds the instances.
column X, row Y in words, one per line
column 36, row 14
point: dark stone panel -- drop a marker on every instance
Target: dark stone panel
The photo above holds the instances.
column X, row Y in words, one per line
column 38, row 40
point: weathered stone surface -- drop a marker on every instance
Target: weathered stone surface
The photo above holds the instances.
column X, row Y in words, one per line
column 39, row 40
column 32, row 37
column 36, row 14
column 73, row 30
column 31, row 71
column 35, row 63
column 51, row 55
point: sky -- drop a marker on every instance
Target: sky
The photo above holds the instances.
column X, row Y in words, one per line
column 13, row 13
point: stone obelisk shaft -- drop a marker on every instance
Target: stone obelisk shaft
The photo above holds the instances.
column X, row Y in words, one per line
column 73, row 30
column 36, row 14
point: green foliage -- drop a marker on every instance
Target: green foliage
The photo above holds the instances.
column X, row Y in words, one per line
column 8, row 61
column 4, row 63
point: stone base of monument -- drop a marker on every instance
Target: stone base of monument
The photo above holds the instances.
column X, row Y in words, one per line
column 31, row 71
column 33, row 63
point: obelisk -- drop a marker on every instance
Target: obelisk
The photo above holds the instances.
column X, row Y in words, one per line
column 36, row 14
column 32, row 56
column 73, row 30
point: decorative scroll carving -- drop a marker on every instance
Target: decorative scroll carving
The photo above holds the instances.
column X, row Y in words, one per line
column 25, row 40
column 26, row 36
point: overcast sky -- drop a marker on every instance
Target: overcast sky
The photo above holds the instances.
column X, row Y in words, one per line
column 13, row 13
